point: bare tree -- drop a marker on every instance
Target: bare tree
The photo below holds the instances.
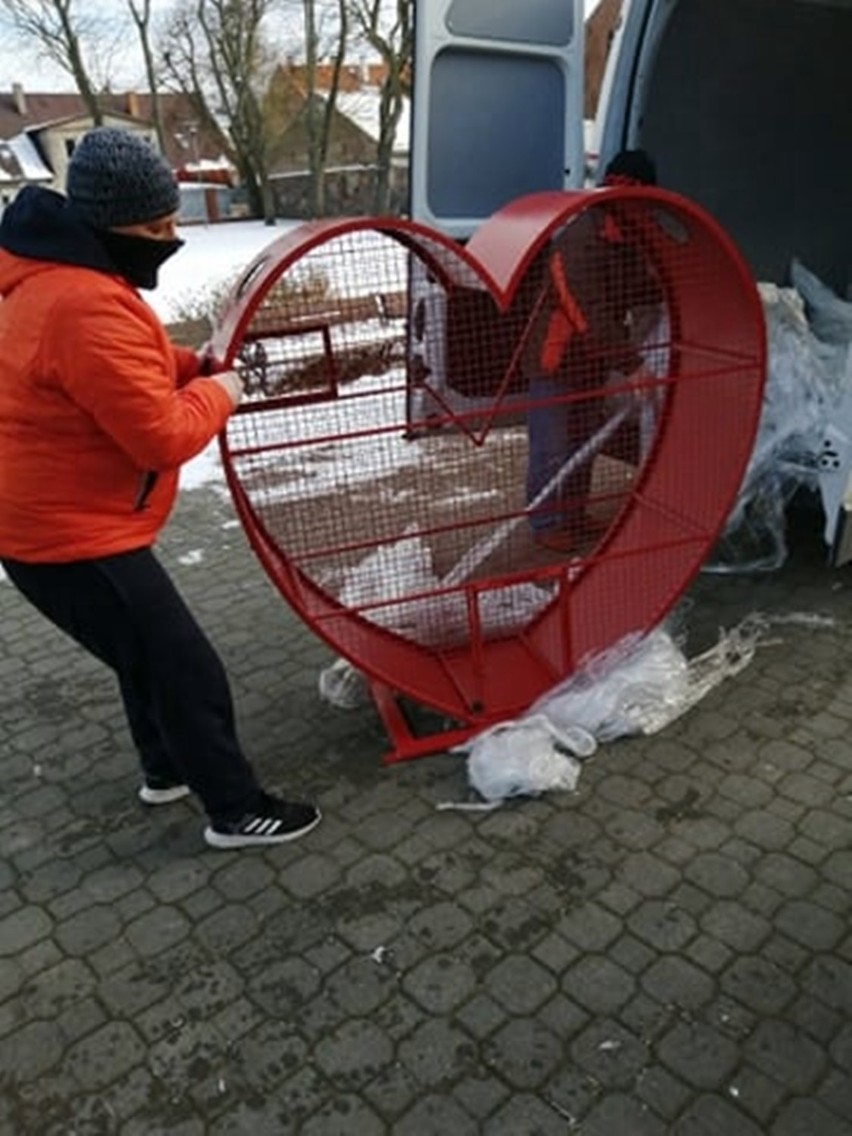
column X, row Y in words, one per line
column 386, row 25
column 320, row 111
column 59, row 29
column 218, row 54
column 315, row 162
column 140, row 12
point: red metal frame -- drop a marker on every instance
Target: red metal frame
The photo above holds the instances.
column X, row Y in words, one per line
column 660, row 537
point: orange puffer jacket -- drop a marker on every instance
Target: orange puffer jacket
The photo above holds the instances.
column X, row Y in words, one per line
column 97, row 412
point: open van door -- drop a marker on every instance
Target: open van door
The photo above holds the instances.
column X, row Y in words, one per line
column 497, row 112
column 497, row 106
column 744, row 106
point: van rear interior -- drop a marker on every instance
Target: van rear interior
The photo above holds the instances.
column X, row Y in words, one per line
column 747, row 109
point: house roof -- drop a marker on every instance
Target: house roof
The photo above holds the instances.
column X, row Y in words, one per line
column 362, row 107
column 188, row 142
column 43, row 110
column 40, row 109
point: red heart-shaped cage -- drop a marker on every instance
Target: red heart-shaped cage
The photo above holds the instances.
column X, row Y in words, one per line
column 470, row 469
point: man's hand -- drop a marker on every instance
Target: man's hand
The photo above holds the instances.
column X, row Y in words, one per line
column 628, row 389
column 208, row 364
column 232, row 384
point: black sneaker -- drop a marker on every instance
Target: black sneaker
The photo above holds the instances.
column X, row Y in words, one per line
column 273, row 822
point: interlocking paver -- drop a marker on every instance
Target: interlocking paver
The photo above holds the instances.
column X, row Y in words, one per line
column 811, row 925
column 678, row 982
column 618, row 1114
column 481, row 1015
column 664, row 953
column 157, row 930
column 836, row 1092
column 614, row 1056
column 756, row 1094
column 759, row 983
column 631, row 954
column 787, row 1055
column 732, row 923
column 436, row 1116
column 343, row 1116
column 361, row 985
column 355, row 1053
column 482, row 1095
column 393, row 1091
column 698, row 1054
column 524, row 1052
column 662, row 925
column 441, row 983
column 441, row 925
column 437, row 1053
column 23, row 927
column 528, row 1113
column 108, row 1053
column 590, row 927
column 709, row 1116
column 662, row 1092
column 32, row 1050
column 806, row 1117
column 817, row 1020
column 599, row 984
column 648, row 875
column 520, row 984
column 717, row 874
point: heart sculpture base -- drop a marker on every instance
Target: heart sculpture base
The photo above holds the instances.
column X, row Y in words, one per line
column 471, row 469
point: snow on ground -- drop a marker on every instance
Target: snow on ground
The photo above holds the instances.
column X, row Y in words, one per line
column 204, row 469
column 213, row 256
column 361, row 442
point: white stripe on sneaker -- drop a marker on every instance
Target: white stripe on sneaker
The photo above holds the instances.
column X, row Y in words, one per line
column 250, row 833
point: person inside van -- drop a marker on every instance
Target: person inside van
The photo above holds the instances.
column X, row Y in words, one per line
column 602, row 302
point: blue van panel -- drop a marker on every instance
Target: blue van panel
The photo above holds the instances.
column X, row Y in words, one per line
column 518, row 21
column 481, row 159
column 496, row 107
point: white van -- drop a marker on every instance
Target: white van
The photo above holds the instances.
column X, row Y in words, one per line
column 744, row 105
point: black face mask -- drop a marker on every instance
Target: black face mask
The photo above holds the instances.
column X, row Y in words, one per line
column 138, row 259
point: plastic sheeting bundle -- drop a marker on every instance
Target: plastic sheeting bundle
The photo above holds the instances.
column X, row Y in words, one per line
column 638, row 687
column 809, row 332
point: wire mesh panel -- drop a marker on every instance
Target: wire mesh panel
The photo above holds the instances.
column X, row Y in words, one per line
column 468, row 469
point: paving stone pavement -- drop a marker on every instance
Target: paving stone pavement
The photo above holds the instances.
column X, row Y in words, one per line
column 667, row 950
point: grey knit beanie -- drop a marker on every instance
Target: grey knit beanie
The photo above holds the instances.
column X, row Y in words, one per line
column 117, row 178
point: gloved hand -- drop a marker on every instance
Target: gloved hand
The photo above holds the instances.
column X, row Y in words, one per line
column 232, row 384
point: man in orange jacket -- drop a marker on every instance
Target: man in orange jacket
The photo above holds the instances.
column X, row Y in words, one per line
column 98, row 410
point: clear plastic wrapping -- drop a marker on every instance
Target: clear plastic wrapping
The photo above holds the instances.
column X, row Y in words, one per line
column 636, row 687
column 809, row 332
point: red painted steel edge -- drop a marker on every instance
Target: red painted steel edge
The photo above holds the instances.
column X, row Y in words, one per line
column 661, row 536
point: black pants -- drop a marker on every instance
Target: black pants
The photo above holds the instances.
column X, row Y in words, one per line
column 126, row 611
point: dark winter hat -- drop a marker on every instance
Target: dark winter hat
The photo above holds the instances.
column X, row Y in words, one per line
column 117, row 178
column 631, row 167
